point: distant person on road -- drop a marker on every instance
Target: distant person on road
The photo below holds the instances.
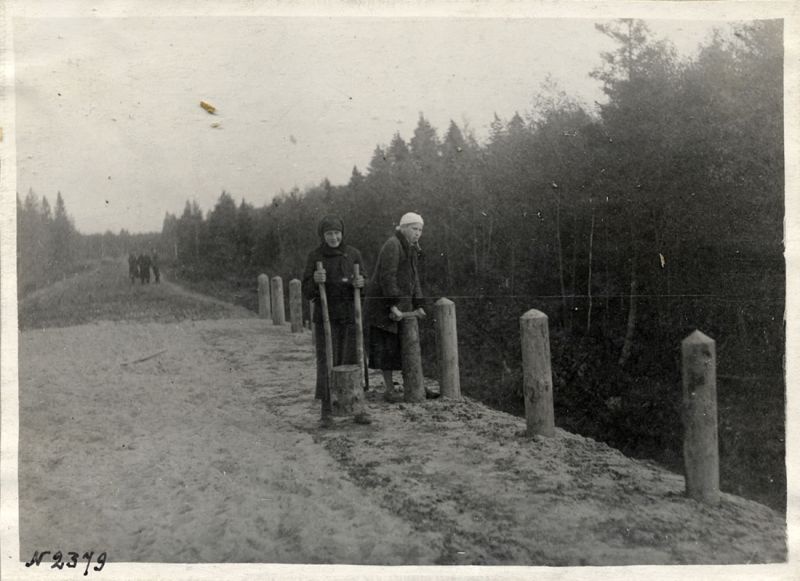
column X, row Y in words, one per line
column 154, row 264
column 133, row 267
column 144, row 268
column 338, row 260
column 393, row 290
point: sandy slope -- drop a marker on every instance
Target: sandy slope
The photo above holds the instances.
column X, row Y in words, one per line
column 211, row 451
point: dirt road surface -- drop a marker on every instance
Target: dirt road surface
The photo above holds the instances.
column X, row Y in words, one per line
column 162, row 426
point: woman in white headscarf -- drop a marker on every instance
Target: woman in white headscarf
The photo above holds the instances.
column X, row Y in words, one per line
column 394, row 289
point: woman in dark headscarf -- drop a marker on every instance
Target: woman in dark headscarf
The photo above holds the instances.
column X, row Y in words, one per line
column 394, row 289
column 338, row 260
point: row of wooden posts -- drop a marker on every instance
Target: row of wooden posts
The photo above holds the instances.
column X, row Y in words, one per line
column 271, row 306
column 698, row 352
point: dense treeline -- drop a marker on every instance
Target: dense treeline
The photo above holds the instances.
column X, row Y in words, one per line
column 49, row 247
column 630, row 224
column 44, row 241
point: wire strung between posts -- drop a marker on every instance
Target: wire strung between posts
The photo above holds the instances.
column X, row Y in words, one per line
column 617, row 296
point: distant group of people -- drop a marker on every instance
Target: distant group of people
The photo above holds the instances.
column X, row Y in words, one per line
column 139, row 267
column 393, row 289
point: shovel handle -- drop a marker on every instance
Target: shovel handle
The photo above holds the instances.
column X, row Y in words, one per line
column 359, row 322
column 326, row 325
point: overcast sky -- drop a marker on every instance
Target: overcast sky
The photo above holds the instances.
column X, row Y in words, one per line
column 108, row 108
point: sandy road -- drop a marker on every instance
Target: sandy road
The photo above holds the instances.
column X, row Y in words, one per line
column 197, row 440
column 184, row 457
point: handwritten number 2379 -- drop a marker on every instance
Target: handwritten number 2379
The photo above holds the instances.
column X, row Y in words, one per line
column 71, row 562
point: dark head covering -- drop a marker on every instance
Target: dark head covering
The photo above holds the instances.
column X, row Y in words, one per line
column 330, row 222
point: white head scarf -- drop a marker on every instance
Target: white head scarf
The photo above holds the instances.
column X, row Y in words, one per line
column 410, row 218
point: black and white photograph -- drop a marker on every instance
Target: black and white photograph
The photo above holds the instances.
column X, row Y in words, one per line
column 397, row 290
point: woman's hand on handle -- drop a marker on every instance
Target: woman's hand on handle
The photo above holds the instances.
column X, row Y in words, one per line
column 395, row 314
column 358, row 281
column 319, row 276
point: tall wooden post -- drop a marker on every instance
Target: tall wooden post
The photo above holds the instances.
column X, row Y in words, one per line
column 264, row 307
column 447, row 346
column 278, row 308
column 295, row 306
column 700, row 445
column 537, row 375
column 413, row 386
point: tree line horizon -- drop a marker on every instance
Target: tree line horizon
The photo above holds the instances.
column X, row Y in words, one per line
column 658, row 213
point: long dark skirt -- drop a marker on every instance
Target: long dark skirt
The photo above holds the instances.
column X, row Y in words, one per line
column 384, row 350
column 343, row 338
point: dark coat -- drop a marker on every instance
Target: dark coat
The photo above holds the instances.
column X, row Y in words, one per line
column 395, row 282
column 338, row 264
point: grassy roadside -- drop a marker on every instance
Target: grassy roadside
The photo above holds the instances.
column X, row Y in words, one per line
column 105, row 293
column 240, row 291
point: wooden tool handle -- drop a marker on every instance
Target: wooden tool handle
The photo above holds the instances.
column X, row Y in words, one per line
column 412, row 315
column 326, row 325
column 359, row 323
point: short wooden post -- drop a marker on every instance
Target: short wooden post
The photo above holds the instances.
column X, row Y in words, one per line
column 278, row 308
column 413, row 386
column 700, row 445
column 264, row 307
column 347, row 394
column 295, row 306
column 536, row 373
column 447, row 347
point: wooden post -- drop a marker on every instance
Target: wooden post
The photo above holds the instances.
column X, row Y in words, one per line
column 447, row 346
column 536, row 373
column 278, row 308
column 413, row 386
column 700, row 445
column 264, row 307
column 295, row 306
column 346, row 393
